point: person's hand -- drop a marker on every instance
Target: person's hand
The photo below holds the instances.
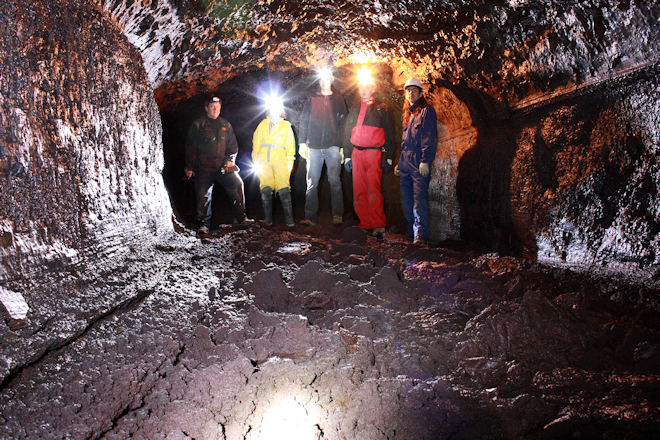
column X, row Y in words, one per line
column 386, row 166
column 396, row 170
column 189, row 173
column 348, row 164
column 229, row 164
column 304, row 151
column 424, row 169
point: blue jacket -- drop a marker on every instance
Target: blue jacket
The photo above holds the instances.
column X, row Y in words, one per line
column 419, row 141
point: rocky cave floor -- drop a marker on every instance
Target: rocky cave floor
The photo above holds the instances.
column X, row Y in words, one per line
column 327, row 333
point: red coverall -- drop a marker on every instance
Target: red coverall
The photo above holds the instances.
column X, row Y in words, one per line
column 369, row 142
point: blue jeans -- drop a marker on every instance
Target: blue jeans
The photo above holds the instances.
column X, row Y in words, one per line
column 231, row 182
column 415, row 202
column 332, row 159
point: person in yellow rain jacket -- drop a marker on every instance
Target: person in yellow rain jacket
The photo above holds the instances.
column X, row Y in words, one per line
column 273, row 154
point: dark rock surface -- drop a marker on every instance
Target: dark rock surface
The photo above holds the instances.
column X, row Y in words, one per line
column 399, row 342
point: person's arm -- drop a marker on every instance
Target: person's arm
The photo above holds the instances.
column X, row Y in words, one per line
column 256, row 144
column 231, row 149
column 290, row 145
column 346, row 144
column 340, row 112
column 429, row 137
column 305, row 118
column 389, row 134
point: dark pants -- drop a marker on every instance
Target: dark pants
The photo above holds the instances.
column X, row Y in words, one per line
column 231, row 182
column 415, row 203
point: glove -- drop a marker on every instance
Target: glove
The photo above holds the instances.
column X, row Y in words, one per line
column 348, row 165
column 424, row 169
column 304, row 151
column 396, row 170
column 386, row 166
column 341, row 151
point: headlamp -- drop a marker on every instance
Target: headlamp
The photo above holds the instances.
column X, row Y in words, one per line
column 324, row 73
column 274, row 105
column 364, row 77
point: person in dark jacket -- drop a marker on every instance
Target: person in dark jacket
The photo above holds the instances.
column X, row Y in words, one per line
column 418, row 146
column 369, row 149
column 320, row 140
column 211, row 150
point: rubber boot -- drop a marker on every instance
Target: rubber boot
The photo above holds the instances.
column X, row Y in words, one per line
column 287, row 204
column 267, row 202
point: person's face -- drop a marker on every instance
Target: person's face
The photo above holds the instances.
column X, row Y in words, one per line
column 366, row 91
column 276, row 113
column 213, row 110
column 412, row 94
column 325, row 82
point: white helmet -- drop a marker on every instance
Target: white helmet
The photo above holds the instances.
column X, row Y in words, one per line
column 413, row 82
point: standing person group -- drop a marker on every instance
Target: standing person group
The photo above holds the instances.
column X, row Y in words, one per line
column 328, row 132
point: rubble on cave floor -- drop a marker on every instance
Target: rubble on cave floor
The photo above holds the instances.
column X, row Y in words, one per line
column 332, row 334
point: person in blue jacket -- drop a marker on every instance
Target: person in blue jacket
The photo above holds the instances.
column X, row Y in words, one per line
column 418, row 146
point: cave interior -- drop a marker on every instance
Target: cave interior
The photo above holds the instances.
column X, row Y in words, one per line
column 532, row 313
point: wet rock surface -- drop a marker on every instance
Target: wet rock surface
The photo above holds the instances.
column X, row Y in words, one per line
column 239, row 333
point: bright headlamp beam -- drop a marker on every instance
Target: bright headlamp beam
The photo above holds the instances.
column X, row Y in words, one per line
column 364, row 77
column 274, row 104
column 324, row 72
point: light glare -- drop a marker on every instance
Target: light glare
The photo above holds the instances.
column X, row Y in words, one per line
column 274, row 104
column 287, row 420
column 364, row 77
column 325, row 72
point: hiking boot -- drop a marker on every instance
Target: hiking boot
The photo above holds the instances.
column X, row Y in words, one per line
column 243, row 223
column 337, row 220
column 203, row 230
column 419, row 240
column 378, row 231
column 308, row 222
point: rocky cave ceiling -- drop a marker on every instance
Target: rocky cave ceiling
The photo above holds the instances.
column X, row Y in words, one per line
column 513, row 52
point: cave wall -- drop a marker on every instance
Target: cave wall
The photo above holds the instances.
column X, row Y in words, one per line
column 456, row 135
column 586, row 179
column 80, row 141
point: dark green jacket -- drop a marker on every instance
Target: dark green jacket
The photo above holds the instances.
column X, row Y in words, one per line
column 210, row 144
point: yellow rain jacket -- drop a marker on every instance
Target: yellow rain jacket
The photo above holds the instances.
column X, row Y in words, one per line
column 273, row 153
